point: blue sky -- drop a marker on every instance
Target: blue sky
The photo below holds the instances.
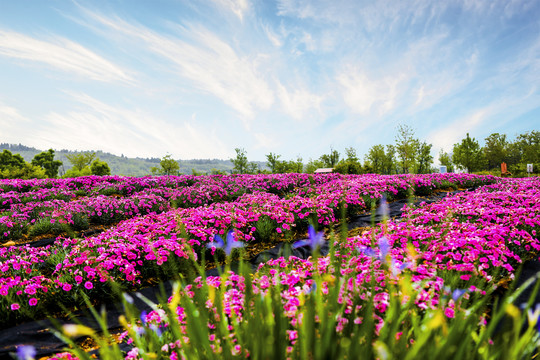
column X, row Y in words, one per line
column 293, row 77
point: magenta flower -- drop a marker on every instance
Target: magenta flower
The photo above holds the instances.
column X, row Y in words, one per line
column 66, row 287
column 15, row 306
column 88, row 285
column 32, row 302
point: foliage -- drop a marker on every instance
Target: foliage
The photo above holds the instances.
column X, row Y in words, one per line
column 468, row 154
column 46, row 160
column 529, row 145
column 100, row 168
column 240, row 162
column 167, row 166
column 81, row 160
column 495, row 150
column 331, row 159
column 425, row 159
column 9, row 160
column 407, row 147
column 73, row 172
column 313, row 165
column 349, row 165
column 282, row 166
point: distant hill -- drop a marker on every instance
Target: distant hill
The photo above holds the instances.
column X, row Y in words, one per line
column 122, row 165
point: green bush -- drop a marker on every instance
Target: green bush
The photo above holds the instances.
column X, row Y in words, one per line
column 50, row 226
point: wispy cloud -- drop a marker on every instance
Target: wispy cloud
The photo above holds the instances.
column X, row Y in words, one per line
column 299, row 102
column 98, row 125
column 237, row 7
column 211, row 64
column 365, row 95
column 62, row 54
column 445, row 137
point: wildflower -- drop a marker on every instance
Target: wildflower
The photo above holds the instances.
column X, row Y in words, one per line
column 458, row 293
column 534, row 317
column 26, row 352
column 88, row 285
column 384, row 209
column 32, row 302
column 15, row 306
column 384, row 249
column 228, row 246
column 315, row 239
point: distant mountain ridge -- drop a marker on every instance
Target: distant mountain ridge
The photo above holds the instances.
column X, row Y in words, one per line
column 122, row 165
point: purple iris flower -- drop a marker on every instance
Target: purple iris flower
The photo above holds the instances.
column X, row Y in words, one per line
column 315, row 240
column 26, row 352
column 457, row 293
column 384, row 248
column 383, row 209
column 227, row 246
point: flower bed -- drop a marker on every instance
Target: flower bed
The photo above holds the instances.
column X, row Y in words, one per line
column 391, row 284
column 151, row 234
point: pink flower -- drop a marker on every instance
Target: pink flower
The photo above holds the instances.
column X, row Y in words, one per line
column 15, row 306
column 449, row 312
column 66, row 287
column 88, row 285
column 33, row 301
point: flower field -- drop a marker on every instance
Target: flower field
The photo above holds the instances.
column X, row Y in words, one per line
column 433, row 271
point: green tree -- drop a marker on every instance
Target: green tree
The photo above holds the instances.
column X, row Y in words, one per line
column 376, row 158
column 81, row 160
column 349, row 165
column 100, row 168
column 26, row 171
column 240, row 162
column 407, row 148
column 10, row 161
column 46, row 160
column 313, row 165
column 330, row 160
column 468, row 154
column 167, row 166
column 272, row 160
column 529, row 145
column 496, row 150
column 389, row 163
column 73, row 172
column 446, row 160
column 425, row 159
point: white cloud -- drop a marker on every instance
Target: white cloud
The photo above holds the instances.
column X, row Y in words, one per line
column 365, row 95
column 210, row 63
column 237, row 7
column 299, row 102
column 274, row 38
column 446, row 136
column 97, row 125
column 263, row 141
column 61, row 54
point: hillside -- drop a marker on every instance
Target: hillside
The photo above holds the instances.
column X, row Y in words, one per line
column 122, row 165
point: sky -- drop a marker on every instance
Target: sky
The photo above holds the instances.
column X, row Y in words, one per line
column 197, row 79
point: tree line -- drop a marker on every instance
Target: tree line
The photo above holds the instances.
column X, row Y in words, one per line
column 410, row 155
column 407, row 154
column 43, row 165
